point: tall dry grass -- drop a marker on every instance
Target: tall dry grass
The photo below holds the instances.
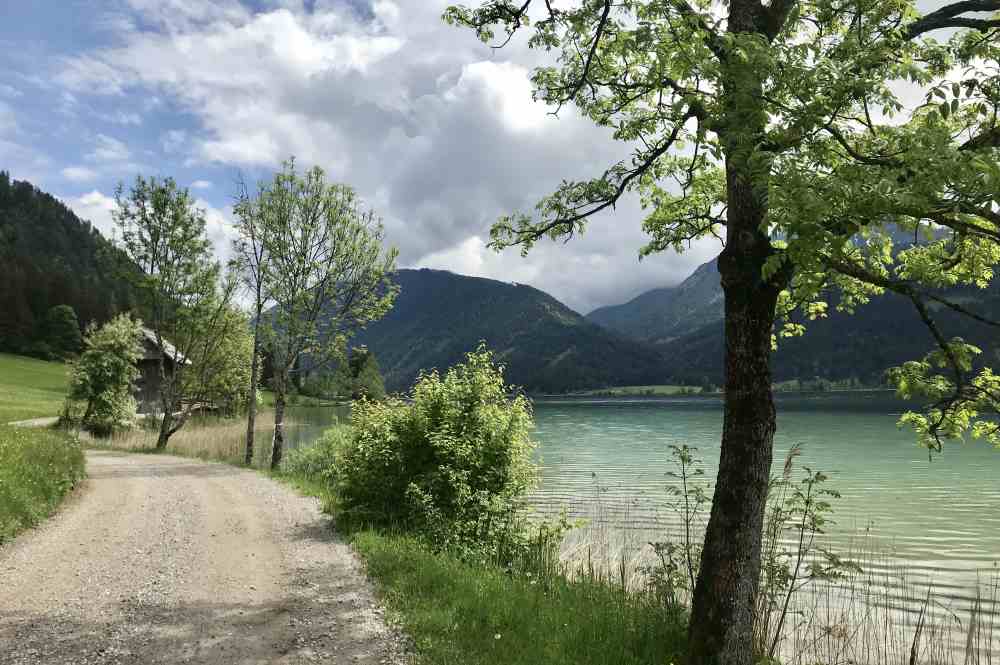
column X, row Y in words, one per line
column 209, row 438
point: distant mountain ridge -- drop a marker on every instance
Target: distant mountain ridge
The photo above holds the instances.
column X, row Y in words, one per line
column 546, row 346
column 663, row 314
column 686, row 323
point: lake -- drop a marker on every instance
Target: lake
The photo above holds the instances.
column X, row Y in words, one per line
column 942, row 513
column 936, row 517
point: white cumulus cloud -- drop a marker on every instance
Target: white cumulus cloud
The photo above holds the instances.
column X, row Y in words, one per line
column 437, row 132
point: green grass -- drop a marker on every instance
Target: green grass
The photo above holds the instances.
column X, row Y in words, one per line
column 267, row 399
column 31, row 388
column 462, row 613
column 38, row 467
column 458, row 613
column 625, row 391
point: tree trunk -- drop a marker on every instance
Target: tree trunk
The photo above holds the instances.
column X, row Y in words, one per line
column 165, row 429
column 278, row 443
column 722, row 614
column 252, row 397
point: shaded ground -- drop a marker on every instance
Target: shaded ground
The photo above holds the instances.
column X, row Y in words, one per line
column 168, row 560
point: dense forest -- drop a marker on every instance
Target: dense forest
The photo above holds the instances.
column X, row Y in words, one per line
column 50, row 257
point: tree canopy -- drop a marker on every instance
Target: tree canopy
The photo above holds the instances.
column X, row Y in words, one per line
column 103, row 376
column 804, row 135
column 327, row 273
column 863, row 119
column 181, row 285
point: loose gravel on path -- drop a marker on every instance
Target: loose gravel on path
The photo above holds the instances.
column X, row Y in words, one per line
column 162, row 559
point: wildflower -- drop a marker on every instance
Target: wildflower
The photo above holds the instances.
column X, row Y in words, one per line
column 497, row 636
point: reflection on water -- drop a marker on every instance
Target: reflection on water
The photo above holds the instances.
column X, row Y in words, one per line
column 311, row 421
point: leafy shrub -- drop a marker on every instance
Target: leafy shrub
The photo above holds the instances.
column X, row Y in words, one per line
column 451, row 464
column 37, row 468
column 800, row 509
column 103, row 375
column 318, row 461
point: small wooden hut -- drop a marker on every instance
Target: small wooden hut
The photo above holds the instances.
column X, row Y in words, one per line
column 149, row 384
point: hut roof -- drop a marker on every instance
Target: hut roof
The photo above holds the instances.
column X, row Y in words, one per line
column 152, row 350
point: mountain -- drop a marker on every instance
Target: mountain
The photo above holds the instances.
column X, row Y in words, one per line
column 50, row 257
column 884, row 333
column 546, row 347
column 685, row 323
column 663, row 314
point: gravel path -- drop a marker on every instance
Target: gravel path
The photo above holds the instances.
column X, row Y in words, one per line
column 168, row 560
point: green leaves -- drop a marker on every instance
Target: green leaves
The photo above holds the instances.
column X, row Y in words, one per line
column 451, row 464
column 807, row 111
column 102, row 378
column 326, row 271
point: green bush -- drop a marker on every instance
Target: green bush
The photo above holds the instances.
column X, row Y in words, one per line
column 317, row 462
column 101, row 385
column 450, row 464
column 37, row 468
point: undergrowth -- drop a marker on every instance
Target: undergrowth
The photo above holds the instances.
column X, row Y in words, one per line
column 461, row 612
column 38, row 467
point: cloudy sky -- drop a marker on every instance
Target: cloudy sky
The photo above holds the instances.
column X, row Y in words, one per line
column 436, row 131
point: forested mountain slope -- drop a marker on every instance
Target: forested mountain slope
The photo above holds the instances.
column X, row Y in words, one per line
column 663, row 314
column 685, row 322
column 50, row 257
column 546, row 347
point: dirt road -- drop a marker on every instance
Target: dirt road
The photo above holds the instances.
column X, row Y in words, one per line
column 169, row 560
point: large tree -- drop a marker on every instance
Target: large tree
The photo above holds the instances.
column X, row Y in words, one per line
column 327, row 273
column 181, row 287
column 807, row 136
column 62, row 331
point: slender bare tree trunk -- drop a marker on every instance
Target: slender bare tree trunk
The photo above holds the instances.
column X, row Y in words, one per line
column 252, row 396
column 278, row 443
column 165, row 428
column 167, row 404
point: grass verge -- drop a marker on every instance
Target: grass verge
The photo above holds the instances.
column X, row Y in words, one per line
column 31, row 388
column 639, row 391
column 38, row 467
column 466, row 612
column 458, row 612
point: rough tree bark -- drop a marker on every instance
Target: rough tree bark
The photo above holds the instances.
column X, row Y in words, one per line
column 166, row 403
column 722, row 612
column 722, row 620
column 166, row 425
column 278, row 442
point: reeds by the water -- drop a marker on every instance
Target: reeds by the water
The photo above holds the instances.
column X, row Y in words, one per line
column 882, row 611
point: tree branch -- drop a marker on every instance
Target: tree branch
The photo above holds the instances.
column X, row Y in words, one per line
column 601, row 26
column 948, row 17
column 711, row 37
column 531, row 233
column 903, row 288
